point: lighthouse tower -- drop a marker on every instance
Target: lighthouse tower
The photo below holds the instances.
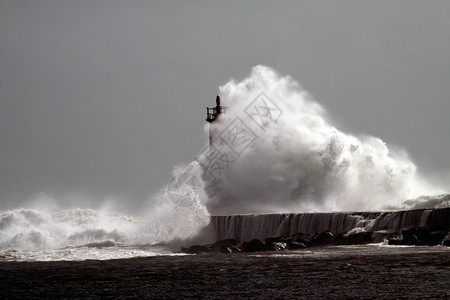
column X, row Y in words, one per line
column 213, row 114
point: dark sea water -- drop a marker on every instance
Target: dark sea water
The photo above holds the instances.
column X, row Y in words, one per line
column 359, row 272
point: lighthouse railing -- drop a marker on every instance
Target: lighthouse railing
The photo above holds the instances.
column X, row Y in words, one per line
column 211, row 112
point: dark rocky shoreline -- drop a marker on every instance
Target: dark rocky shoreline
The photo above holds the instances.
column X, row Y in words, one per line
column 425, row 236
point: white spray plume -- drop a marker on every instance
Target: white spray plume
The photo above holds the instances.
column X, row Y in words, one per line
column 284, row 155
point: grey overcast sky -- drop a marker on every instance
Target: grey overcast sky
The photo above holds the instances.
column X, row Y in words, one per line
column 102, row 98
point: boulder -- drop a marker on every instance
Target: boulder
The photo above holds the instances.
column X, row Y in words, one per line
column 380, row 236
column 433, row 238
column 219, row 246
column 358, row 238
column 302, row 238
column 196, row 249
column 252, row 246
column 421, row 236
column 410, row 236
column 275, row 243
column 230, row 249
column 276, row 239
column 296, row 246
column 322, row 239
column 275, row 246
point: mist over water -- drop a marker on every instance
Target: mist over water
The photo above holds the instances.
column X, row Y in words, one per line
column 275, row 150
column 162, row 222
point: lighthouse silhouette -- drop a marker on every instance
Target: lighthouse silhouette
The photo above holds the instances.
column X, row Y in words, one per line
column 213, row 114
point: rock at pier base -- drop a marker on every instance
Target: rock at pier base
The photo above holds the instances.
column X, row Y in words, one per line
column 421, row 237
column 253, row 246
column 196, row 249
column 321, row 239
column 230, row 249
column 359, row 238
column 413, row 236
column 222, row 245
column 276, row 243
column 296, row 246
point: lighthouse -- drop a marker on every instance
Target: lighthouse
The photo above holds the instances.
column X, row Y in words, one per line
column 213, row 114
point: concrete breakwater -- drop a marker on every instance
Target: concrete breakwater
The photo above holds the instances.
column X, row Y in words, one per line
column 247, row 227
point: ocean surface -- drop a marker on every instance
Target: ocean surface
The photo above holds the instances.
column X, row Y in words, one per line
column 362, row 272
column 83, row 253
